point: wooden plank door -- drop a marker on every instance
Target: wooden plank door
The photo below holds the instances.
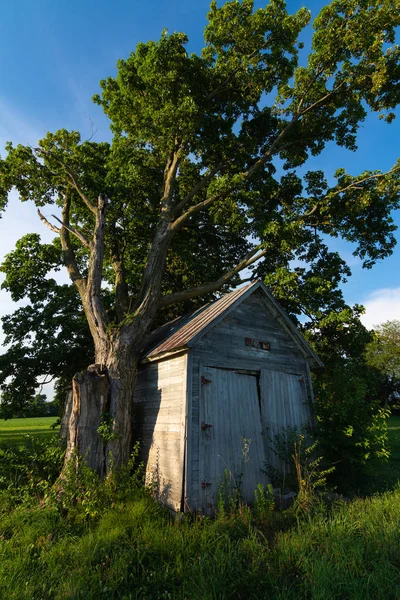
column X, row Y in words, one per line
column 283, row 404
column 231, row 439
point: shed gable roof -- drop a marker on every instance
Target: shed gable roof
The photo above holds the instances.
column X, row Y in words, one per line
column 185, row 331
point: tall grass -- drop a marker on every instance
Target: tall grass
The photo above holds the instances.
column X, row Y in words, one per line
column 136, row 550
column 111, row 540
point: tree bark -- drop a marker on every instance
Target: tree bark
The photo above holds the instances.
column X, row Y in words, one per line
column 100, row 422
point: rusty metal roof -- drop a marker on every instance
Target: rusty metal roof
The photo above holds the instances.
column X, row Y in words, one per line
column 181, row 332
column 178, row 333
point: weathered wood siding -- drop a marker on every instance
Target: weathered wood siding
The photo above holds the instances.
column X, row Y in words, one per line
column 232, row 446
column 159, row 425
column 225, row 346
column 284, row 404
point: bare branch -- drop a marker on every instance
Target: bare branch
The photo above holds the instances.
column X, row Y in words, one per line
column 253, row 256
column 47, row 223
column 74, row 232
column 121, row 288
column 68, row 253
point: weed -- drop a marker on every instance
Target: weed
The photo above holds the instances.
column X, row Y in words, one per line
column 264, row 503
column 299, row 466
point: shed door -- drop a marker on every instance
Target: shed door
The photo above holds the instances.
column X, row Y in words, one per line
column 283, row 404
column 233, row 444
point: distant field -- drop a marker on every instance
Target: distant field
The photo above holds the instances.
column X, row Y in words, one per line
column 12, row 431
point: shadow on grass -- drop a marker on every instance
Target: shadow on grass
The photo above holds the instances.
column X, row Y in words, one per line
column 16, row 437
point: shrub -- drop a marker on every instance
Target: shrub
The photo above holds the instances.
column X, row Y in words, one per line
column 300, row 469
column 29, row 471
column 351, row 424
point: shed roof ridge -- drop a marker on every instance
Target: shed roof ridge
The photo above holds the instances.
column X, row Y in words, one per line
column 190, row 326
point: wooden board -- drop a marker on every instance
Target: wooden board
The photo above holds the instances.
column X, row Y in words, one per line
column 232, row 448
column 284, row 403
column 159, row 424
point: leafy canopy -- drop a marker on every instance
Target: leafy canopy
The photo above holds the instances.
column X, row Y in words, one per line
column 383, row 352
column 216, row 146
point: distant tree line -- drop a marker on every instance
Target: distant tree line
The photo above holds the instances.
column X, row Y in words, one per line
column 37, row 406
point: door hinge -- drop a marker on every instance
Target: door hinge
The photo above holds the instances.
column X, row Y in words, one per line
column 204, row 380
column 205, row 484
column 204, row 426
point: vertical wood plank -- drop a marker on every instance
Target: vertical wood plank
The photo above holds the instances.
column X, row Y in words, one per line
column 233, row 444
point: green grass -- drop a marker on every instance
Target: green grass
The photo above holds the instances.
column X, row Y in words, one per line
column 12, row 431
column 130, row 548
column 136, row 551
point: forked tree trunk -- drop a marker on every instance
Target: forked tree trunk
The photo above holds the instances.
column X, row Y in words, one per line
column 102, row 397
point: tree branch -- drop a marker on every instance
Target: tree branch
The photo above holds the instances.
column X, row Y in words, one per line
column 95, row 270
column 177, row 224
column 253, row 256
column 73, row 231
column 71, row 180
column 245, row 175
column 355, row 184
column 317, row 102
column 121, row 287
column 276, row 144
column 47, row 223
column 196, row 189
column 170, row 171
column 68, row 253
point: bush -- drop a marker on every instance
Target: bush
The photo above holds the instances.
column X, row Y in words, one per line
column 29, row 471
column 301, row 468
column 351, row 424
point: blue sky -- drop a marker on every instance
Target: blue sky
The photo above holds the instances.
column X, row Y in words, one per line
column 52, row 56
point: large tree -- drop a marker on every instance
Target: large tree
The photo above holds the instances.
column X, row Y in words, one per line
column 200, row 144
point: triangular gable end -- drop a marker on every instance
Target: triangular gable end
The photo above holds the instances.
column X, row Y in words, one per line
column 185, row 332
column 278, row 313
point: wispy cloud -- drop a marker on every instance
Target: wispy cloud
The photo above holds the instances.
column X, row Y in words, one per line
column 381, row 305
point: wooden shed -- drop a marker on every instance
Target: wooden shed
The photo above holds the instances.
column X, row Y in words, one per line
column 212, row 388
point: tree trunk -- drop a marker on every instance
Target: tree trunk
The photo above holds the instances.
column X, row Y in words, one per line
column 100, row 422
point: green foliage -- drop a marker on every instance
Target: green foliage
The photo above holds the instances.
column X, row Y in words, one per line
column 264, row 503
column 301, row 468
column 135, row 550
column 49, row 337
column 38, row 406
column 383, row 353
column 349, row 397
column 122, row 544
column 28, row 471
column 105, row 428
column 231, row 116
column 351, row 422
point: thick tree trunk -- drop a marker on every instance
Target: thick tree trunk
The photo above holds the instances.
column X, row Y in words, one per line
column 100, row 422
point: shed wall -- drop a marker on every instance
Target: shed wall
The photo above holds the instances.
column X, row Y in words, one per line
column 160, row 424
column 224, row 346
